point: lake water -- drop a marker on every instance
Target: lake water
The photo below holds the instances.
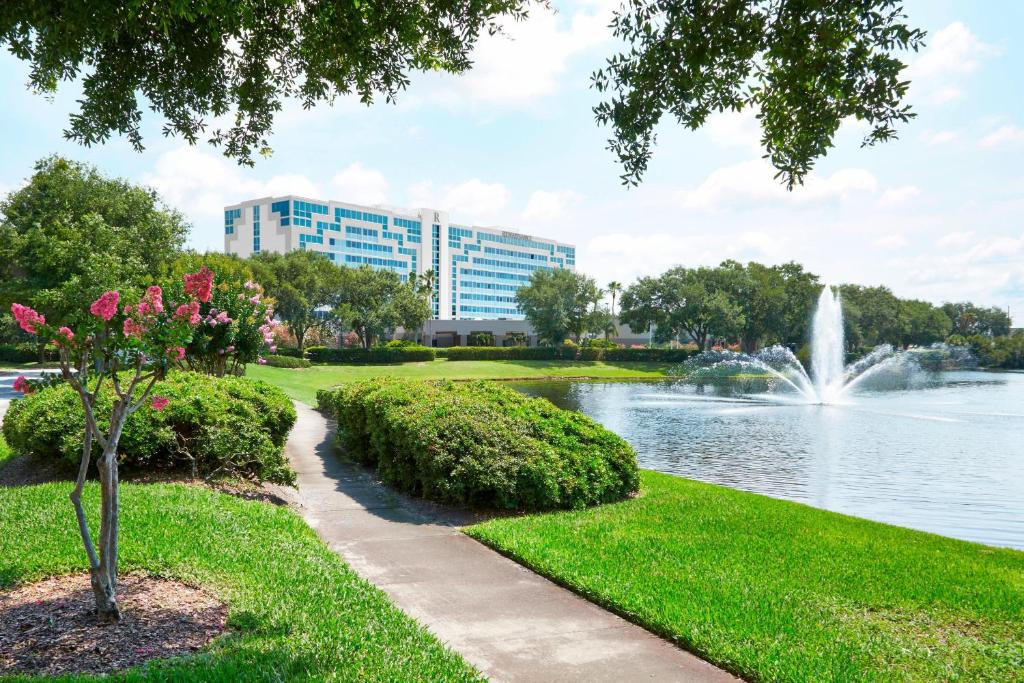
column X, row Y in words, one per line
column 946, row 456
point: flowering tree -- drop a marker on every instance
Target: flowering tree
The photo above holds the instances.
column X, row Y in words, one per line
column 129, row 348
column 235, row 324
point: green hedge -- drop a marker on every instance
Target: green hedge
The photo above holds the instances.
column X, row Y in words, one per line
column 289, row 351
column 480, row 444
column 566, row 353
column 228, row 425
column 279, row 361
column 374, row 356
column 23, row 353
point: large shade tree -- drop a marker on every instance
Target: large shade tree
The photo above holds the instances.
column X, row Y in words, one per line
column 561, row 304
column 204, row 62
column 72, row 233
column 304, row 286
column 373, row 303
column 802, row 66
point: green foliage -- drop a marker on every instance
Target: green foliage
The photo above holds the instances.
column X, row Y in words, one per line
column 802, row 67
column 1006, row 352
column 968, row 319
column 481, row 444
column 279, row 361
column 300, row 282
column 480, row 339
column 25, row 353
column 209, row 60
column 296, row 611
column 874, row 315
column 600, row 350
column 229, row 425
column 778, row 591
column 560, row 304
column 597, row 343
column 516, row 339
column 373, row 303
column 71, row 233
column 376, row 355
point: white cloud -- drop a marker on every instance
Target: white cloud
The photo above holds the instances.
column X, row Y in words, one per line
column 752, row 183
column 898, row 195
column 1003, row 136
column 202, row 184
column 955, row 239
column 529, row 60
column 891, row 242
column 932, row 138
column 952, row 54
column 360, row 185
column 470, row 201
column 735, row 129
column 549, row 207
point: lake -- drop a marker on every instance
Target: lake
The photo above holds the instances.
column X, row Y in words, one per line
column 946, row 456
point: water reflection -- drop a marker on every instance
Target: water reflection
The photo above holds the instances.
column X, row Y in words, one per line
column 946, row 455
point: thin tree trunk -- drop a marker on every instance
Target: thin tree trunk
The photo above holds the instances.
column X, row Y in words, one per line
column 104, row 577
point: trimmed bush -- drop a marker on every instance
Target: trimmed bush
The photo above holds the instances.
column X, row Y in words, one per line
column 480, row 444
column 230, row 425
column 290, row 351
column 376, row 356
column 567, row 353
column 279, row 361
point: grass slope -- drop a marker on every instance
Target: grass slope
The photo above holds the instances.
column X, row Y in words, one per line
column 777, row 591
column 303, row 383
column 297, row 612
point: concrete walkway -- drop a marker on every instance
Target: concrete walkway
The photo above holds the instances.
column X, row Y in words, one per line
column 506, row 620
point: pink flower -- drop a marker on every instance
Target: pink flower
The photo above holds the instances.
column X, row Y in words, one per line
column 159, row 402
column 155, row 298
column 66, row 333
column 132, row 328
column 254, row 299
column 223, row 318
column 261, row 360
column 273, row 348
column 249, row 284
column 21, row 385
column 189, row 312
column 177, row 353
column 27, row 318
column 106, row 306
column 200, row 284
column 230, row 349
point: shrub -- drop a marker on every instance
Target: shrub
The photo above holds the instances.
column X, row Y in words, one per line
column 481, row 444
column 516, row 339
column 279, row 361
column 480, row 339
column 378, row 355
column 24, row 353
column 290, row 351
column 567, row 352
column 212, row 425
column 598, row 343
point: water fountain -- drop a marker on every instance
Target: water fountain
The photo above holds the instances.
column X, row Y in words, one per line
column 829, row 380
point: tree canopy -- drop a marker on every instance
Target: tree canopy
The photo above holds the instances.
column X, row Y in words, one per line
column 561, row 304
column 372, row 303
column 803, row 67
column 71, row 233
column 304, row 286
column 223, row 68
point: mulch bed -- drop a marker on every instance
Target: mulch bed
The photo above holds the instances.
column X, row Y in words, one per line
column 50, row 627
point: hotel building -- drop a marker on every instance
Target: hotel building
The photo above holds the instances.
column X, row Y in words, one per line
column 478, row 269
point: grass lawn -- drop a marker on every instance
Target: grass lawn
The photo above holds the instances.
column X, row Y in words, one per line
column 777, row 591
column 303, row 383
column 5, row 452
column 297, row 612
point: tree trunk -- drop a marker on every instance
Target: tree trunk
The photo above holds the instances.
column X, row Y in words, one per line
column 300, row 338
column 104, row 576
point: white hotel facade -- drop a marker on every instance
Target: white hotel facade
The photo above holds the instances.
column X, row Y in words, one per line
column 478, row 268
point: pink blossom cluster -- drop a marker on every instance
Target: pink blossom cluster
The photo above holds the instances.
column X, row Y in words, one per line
column 159, row 402
column 215, row 317
column 152, row 303
column 177, row 353
column 249, row 284
column 21, row 385
column 133, row 328
column 189, row 312
column 27, row 318
column 64, row 336
column 106, row 306
column 200, row 284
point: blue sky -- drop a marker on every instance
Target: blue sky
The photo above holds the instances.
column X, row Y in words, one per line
column 936, row 215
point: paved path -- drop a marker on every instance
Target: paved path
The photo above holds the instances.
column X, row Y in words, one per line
column 506, row 620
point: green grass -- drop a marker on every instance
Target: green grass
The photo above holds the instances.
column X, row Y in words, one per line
column 296, row 611
column 303, row 383
column 777, row 591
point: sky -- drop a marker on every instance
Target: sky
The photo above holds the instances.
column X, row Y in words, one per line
column 936, row 215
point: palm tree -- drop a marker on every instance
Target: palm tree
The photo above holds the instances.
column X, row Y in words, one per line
column 613, row 289
column 424, row 286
